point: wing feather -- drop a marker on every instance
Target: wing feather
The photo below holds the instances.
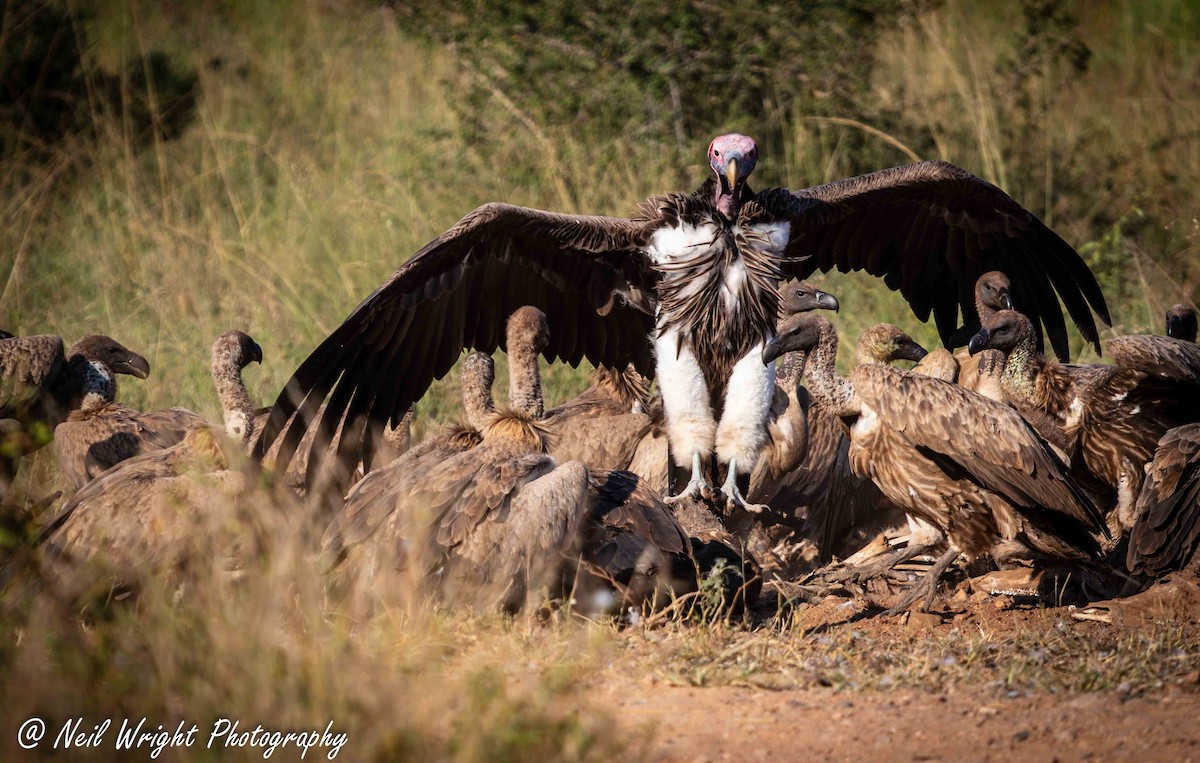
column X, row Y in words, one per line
column 939, row 218
column 455, row 294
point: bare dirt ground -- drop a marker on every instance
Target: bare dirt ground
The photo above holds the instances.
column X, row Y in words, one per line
column 981, row 680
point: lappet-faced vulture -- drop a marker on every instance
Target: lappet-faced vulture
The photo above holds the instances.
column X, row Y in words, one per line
column 696, row 273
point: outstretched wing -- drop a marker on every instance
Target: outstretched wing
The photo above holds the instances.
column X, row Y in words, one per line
column 930, row 230
column 585, row 273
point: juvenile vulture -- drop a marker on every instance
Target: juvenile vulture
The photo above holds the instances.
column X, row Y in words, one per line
column 491, row 525
column 373, row 501
column 102, row 433
column 993, row 293
column 1181, row 323
column 603, row 426
column 971, row 467
column 1108, row 419
column 40, row 382
column 148, row 513
column 697, row 274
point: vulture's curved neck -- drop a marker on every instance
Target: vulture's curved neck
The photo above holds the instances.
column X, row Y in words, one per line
column 89, row 384
column 524, row 381
column 235, row 400
column 478, row 404
column 832, row 390
column 1021, row 369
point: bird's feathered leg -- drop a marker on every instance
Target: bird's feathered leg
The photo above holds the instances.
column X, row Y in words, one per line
column 928, row 585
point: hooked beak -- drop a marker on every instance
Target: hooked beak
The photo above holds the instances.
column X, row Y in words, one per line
column 1006, row 301
column 979, row 342
column 771, row 350
column 255, row 353
column 912, row 351
column 135, row 365
column 827, row 301
column 731, row 171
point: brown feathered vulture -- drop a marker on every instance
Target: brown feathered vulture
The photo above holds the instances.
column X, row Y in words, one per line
column 104, row 433
column 969, row 466
column 1107, row 418
column 685, row 289
column 492, row 525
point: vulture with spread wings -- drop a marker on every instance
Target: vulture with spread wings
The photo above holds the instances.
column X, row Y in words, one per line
column 686, row 289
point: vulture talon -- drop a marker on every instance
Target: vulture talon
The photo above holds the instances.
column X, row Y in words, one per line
column 927, row 586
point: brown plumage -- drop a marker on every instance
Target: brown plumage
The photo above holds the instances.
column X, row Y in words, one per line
column 39, row 382
column 103, row 433
column 938, row 364
column 603, row 426
column 1167, row 528
column 700, row 271
column 150, row 514
column 490, row 525
column 970, row 467
column 993, row 292
column 1107, row 418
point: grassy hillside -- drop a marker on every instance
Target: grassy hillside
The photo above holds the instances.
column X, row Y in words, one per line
column 328, row 145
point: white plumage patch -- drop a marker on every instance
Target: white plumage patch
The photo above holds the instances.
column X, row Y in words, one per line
column 742, row 432
column 669, row 244
column 775, row 234
column 867, row 423
column 690, row 425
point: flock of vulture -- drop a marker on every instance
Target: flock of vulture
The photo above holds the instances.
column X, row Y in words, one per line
column 716, row 421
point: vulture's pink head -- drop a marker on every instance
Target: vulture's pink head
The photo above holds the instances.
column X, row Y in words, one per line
column 732, row 157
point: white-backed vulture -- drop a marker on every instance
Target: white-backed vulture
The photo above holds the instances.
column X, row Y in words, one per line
column 1110, row 417
column 39, row 382
column 993, row 293
column 686, row 289
column 373, row 500
column 103, row 433
column 603, row 426
column 969, row 466
column 149, row 514
column 491, row 525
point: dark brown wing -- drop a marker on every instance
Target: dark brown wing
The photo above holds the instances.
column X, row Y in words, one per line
column 1167, row 530
column 984, row 439
column 930, row 230
column 28, row 366
column 1162, row 356
column 456, row 293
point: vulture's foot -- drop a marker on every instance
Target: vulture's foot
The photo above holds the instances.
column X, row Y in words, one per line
column 927, row 587
column 733, row 495
column 697, row 489
column 883, row 563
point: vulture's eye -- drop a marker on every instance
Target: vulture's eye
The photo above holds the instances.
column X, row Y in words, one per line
column 801, row 294
column 717, row 154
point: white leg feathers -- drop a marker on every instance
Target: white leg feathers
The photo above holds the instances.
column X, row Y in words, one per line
column 743, row 429
column 690, row 425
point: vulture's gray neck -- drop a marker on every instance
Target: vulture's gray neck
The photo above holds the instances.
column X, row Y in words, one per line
column 478, row 404
column 830, row 389
column 235, row 400
column 524, row 381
